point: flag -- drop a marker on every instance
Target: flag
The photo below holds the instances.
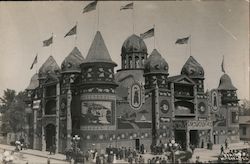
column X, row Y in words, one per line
column 36, row 104
column 182, row 40
column 90, row 7
column 48, row 42
column 222, row 65
column 34, row 62
column 128, row 6
column 72, row 31
column 148, row 34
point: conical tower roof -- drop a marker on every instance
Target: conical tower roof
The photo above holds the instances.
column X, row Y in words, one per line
column 49, row 66
column 192, row 68
column 72, row 62
column 34, row 82
column 226, row 83
column 134, row 43
column 98, row 51
column 156, row 63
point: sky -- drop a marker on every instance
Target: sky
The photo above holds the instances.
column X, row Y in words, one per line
column 216, row 28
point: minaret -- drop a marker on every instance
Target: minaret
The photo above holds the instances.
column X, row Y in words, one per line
column 97, row 92
column 194, row 71
column 134, row 53
column 155, row 73
column 70, row 71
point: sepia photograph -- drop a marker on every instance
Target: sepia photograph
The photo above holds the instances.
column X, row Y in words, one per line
column 126, row 82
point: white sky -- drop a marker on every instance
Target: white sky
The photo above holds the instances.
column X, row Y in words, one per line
column 217, row 28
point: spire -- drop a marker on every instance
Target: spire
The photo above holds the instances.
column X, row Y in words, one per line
column 49, row 66
column 98, row 51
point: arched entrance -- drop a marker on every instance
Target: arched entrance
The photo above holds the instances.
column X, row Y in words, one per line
column 50, row 136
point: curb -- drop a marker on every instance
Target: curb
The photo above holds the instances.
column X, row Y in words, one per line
column 35, row 154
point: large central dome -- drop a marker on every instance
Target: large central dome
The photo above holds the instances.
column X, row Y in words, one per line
column 134, row 44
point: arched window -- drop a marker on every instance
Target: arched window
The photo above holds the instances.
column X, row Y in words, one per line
column 50, row 107
column 130, row 62
column 137, row 62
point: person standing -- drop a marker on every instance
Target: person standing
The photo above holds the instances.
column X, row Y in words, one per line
column 221, row 149
column 226, row 143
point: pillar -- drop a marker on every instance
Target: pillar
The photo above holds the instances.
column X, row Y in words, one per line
column 187, row 139
column 43, row 139
column 57, row 115
column 69, row 121
column 195, row 103
column 34, row 129
column 133, row 60
column 43, row 113
column 140, row 61
column 173, row 108
column 127, row 62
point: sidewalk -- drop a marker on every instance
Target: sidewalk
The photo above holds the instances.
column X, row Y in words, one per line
column 212, row 155
column 38, row 153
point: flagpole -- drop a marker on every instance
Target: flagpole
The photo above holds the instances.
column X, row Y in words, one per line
column 133, row 19
column 154, row 35
column 51, row 45
column 98, row 8
column 37, row 62
column 190, row 45
column 76, row 33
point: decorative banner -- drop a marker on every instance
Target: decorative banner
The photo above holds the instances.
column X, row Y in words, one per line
column 202, row 107
column 135, row 96
column 215, row 101
column 164, row 106
column 36, row 104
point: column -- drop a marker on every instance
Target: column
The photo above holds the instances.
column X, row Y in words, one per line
column 34, row 129
column 187, row 138
column 43, row 113
column 127, row 62
column 211, row 135
column 57, row 115
column 69, row 121
column 173, row 108
column 140, row 61
column 195, row 103
column 133, row 60
column 43, row 139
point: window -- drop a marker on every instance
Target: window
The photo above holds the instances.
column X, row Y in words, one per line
column 244, row 130
column 235, row 117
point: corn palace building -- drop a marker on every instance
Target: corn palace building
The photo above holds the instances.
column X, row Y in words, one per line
column 138, row 104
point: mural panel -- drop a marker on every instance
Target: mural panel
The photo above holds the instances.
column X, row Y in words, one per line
column 97, row 112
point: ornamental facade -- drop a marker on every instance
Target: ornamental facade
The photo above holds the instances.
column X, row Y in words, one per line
column 138, row 104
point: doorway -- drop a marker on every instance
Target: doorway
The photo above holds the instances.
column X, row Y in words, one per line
column 180, row 138
column 194, row 138
column 137, row 144
column 50, row 136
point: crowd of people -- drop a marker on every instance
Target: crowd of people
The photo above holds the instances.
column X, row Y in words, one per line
column 234, row 156
column 113, row 154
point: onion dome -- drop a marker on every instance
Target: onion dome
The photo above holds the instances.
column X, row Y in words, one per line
column 192, row 69
column 156, row 63
column 72, row 62
column 34, row 82
column 134, row 44
column 226, row 83
column 98, row 51
column 49, row 67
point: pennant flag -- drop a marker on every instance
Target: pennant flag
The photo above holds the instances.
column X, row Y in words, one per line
column 34, row 62
column 182, row 40
column 36, row 104
column 222, row 65
column 72, row 31
column 90, row 7
column 128, row 6
column 148, row 34
column 48, row 42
